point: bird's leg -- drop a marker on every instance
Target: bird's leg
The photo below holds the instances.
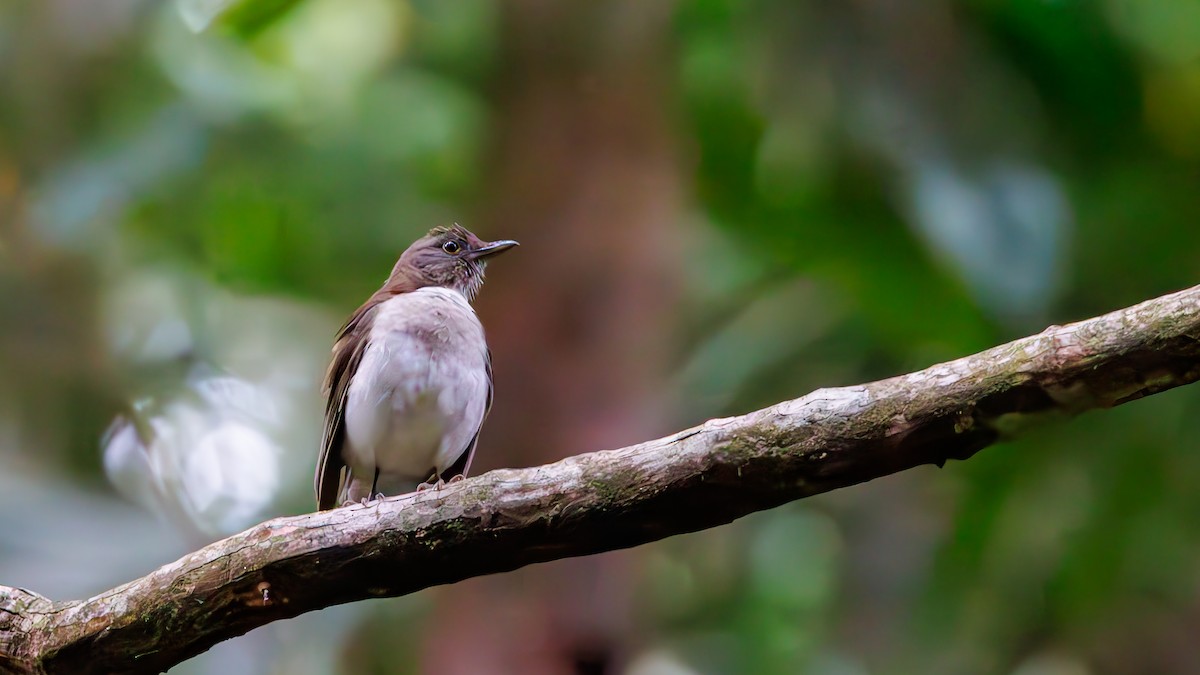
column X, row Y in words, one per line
column 374, row 494
column 434, row 482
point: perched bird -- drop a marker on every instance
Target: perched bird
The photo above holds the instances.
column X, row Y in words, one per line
column 410, row 382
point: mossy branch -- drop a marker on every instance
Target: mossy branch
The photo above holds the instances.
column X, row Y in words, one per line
column 698, row 478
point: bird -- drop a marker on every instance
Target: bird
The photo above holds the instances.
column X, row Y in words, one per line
column 410, row 381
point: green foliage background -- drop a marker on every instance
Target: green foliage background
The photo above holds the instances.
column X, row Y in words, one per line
column 868, row 188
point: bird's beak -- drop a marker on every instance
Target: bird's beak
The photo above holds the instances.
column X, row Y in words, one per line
column 491, row 248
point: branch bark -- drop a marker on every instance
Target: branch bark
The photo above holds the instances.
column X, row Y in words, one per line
column 699, row 478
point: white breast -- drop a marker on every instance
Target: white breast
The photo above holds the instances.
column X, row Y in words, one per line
column 418, row 396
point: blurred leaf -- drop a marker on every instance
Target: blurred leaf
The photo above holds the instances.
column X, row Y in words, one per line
column 243, row 17
column 1004, row 231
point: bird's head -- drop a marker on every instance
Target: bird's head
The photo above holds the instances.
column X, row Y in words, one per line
column 451, row 257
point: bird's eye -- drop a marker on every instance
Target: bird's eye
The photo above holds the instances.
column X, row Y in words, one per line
column 451, row 247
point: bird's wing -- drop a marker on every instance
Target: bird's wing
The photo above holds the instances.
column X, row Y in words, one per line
column 462, row 465
column 347, row 353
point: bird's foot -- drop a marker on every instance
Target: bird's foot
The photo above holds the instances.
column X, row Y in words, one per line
column 458, row 478
column 431, row 485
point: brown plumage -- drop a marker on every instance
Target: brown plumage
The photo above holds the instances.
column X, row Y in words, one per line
column 410, row 382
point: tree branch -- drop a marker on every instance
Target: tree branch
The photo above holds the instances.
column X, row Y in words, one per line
column 705, row 476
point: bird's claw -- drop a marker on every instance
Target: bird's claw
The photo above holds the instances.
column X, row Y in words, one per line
column 430, row 485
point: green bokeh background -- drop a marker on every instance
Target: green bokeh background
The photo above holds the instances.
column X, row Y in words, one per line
column 861, row 189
